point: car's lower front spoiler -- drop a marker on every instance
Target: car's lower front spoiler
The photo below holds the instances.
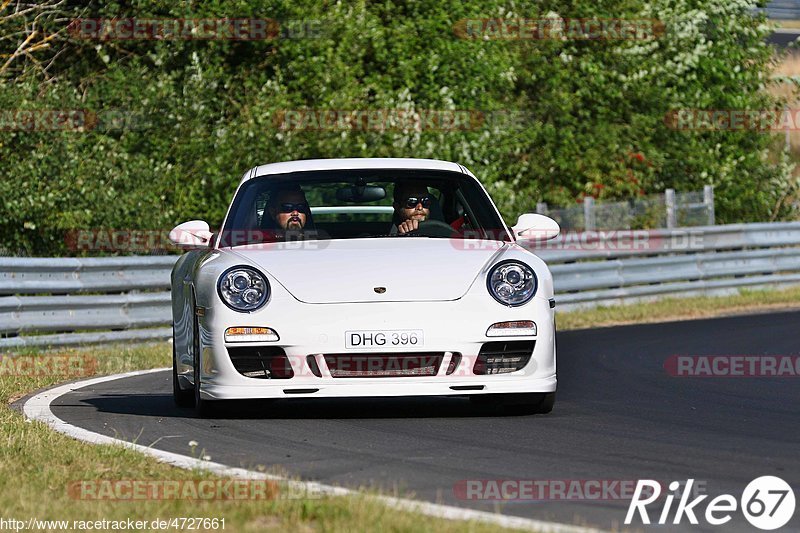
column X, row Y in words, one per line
column 376, row 387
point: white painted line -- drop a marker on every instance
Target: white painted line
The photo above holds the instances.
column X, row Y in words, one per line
column 38, row 408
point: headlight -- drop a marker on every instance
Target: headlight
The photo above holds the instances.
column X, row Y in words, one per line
column 512, row 283
column 243, row 288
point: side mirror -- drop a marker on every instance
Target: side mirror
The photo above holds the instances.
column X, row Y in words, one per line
column 192, row 234
column 536, row 227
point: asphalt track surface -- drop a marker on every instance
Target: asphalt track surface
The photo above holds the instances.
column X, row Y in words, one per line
column 784, row 37
column 618, row 416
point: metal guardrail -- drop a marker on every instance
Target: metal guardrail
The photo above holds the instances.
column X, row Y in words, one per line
column 60, row 302
column 91, row 274
column 622, row 267
column 88, row 300
column 670, row 209
column 783, row 9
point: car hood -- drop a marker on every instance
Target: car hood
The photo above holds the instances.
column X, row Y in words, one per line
column 356, row 270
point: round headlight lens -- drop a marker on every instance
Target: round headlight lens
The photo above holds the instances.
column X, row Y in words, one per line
column 243, row 289
column 241, row 281
column 512, row 283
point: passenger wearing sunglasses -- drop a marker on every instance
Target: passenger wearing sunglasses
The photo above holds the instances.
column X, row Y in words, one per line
column 289, row 209
column 412, row 205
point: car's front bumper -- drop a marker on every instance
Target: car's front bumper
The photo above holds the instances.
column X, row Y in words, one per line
column 450, row 327
column 375, row 387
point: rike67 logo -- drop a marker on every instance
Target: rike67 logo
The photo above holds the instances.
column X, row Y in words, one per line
column 767, row 502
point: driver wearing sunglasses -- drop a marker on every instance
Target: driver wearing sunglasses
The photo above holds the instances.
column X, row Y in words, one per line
column 412, row 205
column 289, row 209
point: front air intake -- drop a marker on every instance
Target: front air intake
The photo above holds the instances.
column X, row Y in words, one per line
column 261, row 362
column 503, row 357
column 373, row 365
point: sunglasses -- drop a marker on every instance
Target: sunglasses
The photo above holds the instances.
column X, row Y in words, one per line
column 412, row 201
column 290, row 208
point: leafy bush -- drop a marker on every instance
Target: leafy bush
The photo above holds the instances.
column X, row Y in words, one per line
column 181, row 120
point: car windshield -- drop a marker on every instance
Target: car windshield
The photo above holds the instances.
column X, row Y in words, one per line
column 348, row 204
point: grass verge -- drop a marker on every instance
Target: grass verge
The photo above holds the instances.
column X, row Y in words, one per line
column 788, row 24
column 671, row 309
column 37, row 465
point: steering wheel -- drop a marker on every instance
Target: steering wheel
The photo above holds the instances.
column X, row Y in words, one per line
column 431, row 228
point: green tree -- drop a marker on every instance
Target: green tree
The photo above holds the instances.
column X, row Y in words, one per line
column 172, row 124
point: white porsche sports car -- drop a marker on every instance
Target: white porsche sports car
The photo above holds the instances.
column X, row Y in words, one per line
column 363, row 278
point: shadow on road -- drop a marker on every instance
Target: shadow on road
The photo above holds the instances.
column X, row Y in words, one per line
column 161, row 405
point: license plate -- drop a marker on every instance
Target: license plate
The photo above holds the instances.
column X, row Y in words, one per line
column 383, row 338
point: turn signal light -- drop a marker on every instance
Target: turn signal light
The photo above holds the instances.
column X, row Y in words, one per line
column 247, row 334
column 514, row 328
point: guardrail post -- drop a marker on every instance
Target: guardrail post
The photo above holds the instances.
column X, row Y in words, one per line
column 541, row 208
column 588, row 213
column 708, row 199
column 787, row 142
column 669, row 199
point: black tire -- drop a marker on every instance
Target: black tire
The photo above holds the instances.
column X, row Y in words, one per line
column 183, row 398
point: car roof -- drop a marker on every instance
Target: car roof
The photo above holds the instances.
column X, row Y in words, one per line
column 351, row 163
